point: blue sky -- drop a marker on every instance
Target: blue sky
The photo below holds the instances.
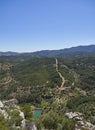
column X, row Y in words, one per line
column 31, row 25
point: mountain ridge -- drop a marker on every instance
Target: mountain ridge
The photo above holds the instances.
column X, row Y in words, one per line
column 44, row 53
column 9, row 53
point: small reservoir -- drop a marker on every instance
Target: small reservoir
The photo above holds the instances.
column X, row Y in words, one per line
column 37, row 113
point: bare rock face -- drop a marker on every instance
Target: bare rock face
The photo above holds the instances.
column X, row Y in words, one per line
column 2, row 111
column 31, row 126
column 1, row 105
column 75, row 115
column 12, row 102
column 80, row 122
column 23, row 122
column 8, row 106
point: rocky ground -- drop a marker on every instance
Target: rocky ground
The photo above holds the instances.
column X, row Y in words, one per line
column 10, row 107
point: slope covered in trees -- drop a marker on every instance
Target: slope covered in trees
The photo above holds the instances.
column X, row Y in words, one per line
column 37, row 81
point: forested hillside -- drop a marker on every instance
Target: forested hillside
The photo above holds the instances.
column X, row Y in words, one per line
column 57, row 85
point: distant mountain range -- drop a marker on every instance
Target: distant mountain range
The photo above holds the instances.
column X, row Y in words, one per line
column 9, row 53
column 79, row 50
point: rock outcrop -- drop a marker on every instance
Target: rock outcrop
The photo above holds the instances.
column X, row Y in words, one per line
column 80, row 121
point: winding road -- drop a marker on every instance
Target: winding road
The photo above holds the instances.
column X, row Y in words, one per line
column 61, row 76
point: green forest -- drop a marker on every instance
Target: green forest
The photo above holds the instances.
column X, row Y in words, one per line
column 37, row 82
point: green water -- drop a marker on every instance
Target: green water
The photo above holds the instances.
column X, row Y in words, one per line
column 37, row 113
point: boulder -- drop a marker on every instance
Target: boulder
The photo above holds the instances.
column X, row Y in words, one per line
column 11, row 102
column 31, row 126
column 1, row 105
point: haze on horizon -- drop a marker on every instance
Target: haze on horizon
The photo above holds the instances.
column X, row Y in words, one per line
column 32, row 25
